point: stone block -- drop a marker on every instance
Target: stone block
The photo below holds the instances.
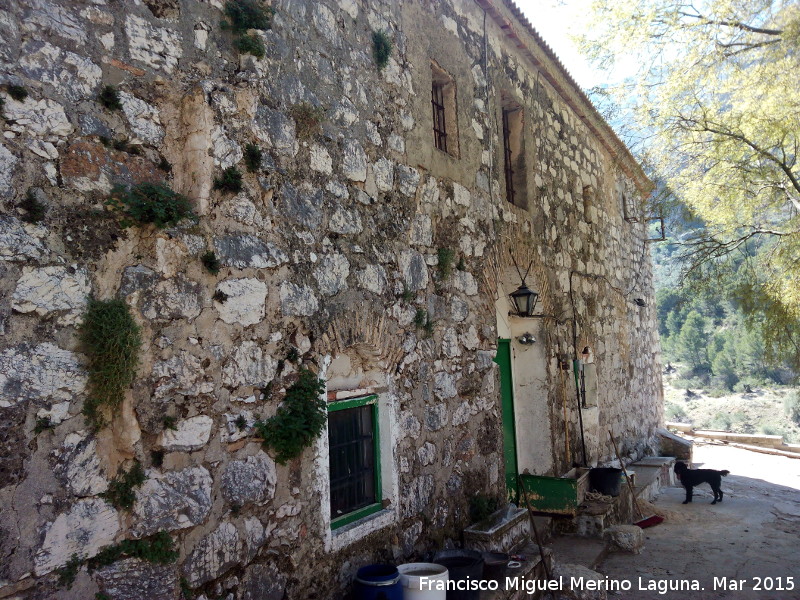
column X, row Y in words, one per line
column 624, row 538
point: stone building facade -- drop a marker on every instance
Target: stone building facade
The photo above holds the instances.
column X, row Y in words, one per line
column 361, row 247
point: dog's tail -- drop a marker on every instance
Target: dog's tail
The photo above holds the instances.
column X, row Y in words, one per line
column 723, row 473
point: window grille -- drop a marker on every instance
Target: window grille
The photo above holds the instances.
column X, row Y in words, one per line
column 508, row 154
column 439, row 122
column 354, row 459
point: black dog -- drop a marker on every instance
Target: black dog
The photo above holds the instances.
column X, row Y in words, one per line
column 692, row 477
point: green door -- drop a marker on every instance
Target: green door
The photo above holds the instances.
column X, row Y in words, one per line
column 503, row 360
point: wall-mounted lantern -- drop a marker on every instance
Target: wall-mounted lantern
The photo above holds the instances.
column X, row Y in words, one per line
column 523, row 297
column 524, row 300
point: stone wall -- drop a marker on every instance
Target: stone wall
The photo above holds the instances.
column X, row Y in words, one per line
column 328, row 256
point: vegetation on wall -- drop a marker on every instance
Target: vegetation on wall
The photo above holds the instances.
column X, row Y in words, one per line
column 445, row 262
column 422, row 320
column 158, row 549
column 211, row 262
column 381, row 48
column 146, row 203
column 243, row 15
column 121, row 492
column 35, row 210
column 229, row 181
column 252, row 157
column 299, row 420
column 17, row 92
column 109, row 98
column 111, row 339
column 307, row 119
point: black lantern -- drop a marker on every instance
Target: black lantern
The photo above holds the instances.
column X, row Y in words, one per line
column 524, row 300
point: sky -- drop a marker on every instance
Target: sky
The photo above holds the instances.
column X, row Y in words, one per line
column 552, row 19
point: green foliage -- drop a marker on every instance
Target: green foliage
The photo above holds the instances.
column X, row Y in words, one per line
column 211, row 262
column 307, row 119
column 229, row 181
column 252, row 157
column 121, row 492
column 219, row 296
column 146, row 203
column 674, row 412
column 241, row 422
column 158, row 549
column 102, row 596
column 111, row 339
column 43, row 424
column 407, row 295
column 247, row 43
column 244, row 15
column 461, row 266
column 293, row 355
column 716, row 100
column 247, row 14
column 17, row 92
column 481, row 506
column 186, row 591
column 381, row 48
column 170, row 423
column 445, row 264
column 422, row 321
column 109, row 98
column 35, row 210
column 791, row 405
column 299, row 420
column 68, row 573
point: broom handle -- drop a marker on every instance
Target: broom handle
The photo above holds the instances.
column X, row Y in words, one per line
column 628, row 479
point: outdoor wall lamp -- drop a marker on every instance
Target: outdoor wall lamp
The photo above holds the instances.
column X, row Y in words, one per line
column 526, row 339
column 523, row 297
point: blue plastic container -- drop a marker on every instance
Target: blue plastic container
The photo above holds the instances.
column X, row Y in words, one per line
column 378, row 582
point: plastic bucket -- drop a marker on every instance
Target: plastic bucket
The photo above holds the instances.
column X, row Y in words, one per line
column 414, row 578
column 605, row 480
column 378, row 582
column 463, row 565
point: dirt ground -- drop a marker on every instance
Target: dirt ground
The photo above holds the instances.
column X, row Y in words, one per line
column 752, row 537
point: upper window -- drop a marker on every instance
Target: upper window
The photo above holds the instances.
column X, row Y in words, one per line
column 513, row 155
column 355, row 472
column 443, row 104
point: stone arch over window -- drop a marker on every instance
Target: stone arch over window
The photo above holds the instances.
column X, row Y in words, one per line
column 359, row 356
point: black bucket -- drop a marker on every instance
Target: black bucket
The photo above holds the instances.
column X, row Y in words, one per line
column 605, row 480
column 463, row 565
column 495, row 566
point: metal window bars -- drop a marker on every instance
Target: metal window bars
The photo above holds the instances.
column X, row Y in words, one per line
column 439, row 123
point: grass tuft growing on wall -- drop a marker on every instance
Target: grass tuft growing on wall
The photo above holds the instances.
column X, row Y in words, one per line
column 229, row 181
column 243, row 15
column 299, row 420
column 252, row 157
column 445, row 262
column 307, row 119
column 146, row 203
column 17, row 92
column 109, row 98
column 111, row 339
column 121, row 492
column 381, row 48
column 35, row 210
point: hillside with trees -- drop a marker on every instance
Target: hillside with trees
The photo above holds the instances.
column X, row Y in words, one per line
column 713, row 111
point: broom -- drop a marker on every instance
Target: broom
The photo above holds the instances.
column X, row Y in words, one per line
column 644, row 523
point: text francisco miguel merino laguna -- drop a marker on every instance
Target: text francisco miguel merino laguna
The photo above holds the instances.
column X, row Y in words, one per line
column 661, row 586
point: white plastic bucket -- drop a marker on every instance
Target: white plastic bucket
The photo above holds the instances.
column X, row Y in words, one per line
column 416, row 577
